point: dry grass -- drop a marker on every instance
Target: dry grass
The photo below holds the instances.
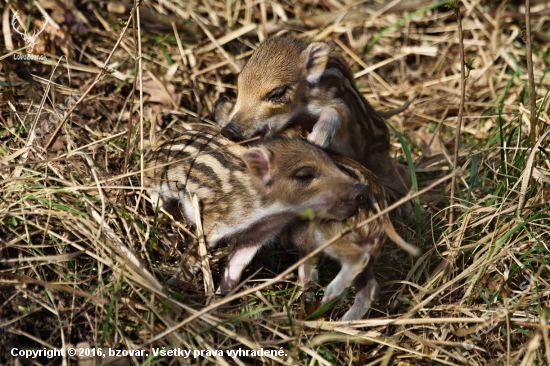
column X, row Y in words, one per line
column 81, row 263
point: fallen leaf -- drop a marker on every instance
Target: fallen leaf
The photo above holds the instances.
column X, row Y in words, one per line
column 424, row 137
column 495, row 285
column 161, row 92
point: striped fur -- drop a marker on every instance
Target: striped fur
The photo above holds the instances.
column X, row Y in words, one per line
column 247, row 195
column 357, row 250
column 295, row 81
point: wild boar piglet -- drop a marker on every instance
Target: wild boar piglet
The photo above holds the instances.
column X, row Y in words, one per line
column 247, row 194
column 355, row 251
column 290, row 81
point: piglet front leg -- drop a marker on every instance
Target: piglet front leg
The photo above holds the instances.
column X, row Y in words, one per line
column 239, row 258
column 221, row 110
column 367, row 290
column 327, row 127
column 351, row 268
column 307, row 273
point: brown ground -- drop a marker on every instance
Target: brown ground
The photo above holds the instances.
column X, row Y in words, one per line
column 82, row 264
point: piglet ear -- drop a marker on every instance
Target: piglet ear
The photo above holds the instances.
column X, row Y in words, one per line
column 315, row 60
column 281, row 33
column 258, row 161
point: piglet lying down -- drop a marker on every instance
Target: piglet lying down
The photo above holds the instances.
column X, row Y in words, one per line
column 248, row 194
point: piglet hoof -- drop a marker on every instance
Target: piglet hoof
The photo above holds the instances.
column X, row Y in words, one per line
column 309, row 296
column 218, row 103
column 327, row 299
column 332, row 293
column 363, row 300
column 353, row 314
column 221, row 109
column 318, row 139
column 324, row 130
column 225, row 287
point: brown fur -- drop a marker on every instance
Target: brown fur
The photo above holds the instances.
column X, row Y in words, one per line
column 290, row 81
column 357, row 250
column 247, row 195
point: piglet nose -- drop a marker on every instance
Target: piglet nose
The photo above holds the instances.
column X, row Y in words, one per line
column 361, row 194
column 231, row 131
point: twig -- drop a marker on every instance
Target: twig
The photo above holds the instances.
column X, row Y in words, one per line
column 532, row 93
column 130, row 118
column 97, row 79
column 228, row 57
column 140, row 72
column 205, row 266
column 460, row 108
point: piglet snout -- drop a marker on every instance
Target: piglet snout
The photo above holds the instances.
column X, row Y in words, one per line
column 361, row 194
column 231, row 131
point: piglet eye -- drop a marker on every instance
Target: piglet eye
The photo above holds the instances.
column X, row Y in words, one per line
column 277, row 93
column 306, row 174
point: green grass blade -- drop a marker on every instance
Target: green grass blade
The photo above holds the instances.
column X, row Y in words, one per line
column 414, row 181
column 472, row 179
column 323, row 308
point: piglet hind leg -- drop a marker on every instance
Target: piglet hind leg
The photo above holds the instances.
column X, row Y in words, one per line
column 239, row 258
column 352, row 265
column 367, row 290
